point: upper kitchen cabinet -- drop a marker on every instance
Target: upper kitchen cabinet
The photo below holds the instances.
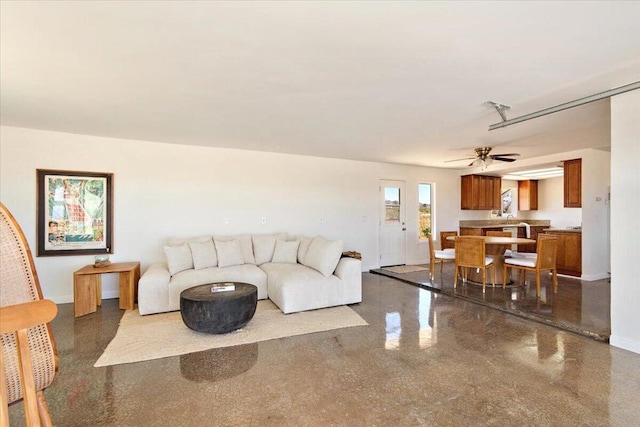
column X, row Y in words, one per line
column 480, row 192
column 573, row 183
column 528, row 195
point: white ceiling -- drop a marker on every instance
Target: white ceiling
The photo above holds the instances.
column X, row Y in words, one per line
column 398, row 82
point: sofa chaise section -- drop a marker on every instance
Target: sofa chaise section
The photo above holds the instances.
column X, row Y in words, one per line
column 295, row 287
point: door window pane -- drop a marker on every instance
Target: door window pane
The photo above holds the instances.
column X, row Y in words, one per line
column 424, row 210
column 391, row 205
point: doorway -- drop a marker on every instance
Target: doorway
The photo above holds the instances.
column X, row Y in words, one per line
column 393, row 231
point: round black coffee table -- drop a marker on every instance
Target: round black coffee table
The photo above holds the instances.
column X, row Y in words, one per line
column 218, row 312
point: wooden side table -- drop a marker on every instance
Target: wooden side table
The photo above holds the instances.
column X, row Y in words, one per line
column 87, row 286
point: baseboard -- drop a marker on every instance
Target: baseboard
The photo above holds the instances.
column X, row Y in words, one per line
column 66, row 299
column 111, row 295
column 592, row 277
column 625, row 344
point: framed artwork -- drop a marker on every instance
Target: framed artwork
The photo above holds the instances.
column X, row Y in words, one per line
column 75, row 212
column 507, row 202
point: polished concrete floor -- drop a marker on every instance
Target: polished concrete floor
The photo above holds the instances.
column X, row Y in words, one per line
column 579, row 306
column 424, row 359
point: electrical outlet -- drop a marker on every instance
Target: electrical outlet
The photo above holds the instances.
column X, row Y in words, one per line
column 225, row 220
column 263, row 220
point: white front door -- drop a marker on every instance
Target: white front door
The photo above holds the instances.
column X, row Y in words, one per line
column 392, row 223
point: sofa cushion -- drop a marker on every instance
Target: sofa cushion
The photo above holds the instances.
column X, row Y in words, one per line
column 246, row 273
column 246, row 245
column 264, row 245
column 229, row 253
column 178, row 258
column 303, row 248
column 323, row 255
column 203, row 254
column 286, row 252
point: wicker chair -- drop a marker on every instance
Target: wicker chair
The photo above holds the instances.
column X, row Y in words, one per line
column 23, row 315
column 470, row 253
column 438, row 256
column 547, row 252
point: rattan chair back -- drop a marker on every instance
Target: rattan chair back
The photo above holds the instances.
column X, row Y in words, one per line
column 432, row 250
column 547, row 251
column 470, row 251
column 19, row 284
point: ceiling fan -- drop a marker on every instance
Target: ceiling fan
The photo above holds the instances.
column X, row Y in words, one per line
column 484, row 159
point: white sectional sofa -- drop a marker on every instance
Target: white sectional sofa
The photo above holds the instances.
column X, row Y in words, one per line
column 297, row 274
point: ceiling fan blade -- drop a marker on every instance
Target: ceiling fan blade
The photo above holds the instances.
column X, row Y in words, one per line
column 504, row 155
column 503, row 159
column 458, row 160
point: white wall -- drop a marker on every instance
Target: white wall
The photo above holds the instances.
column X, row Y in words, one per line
column 163, row 190
column 596, row 179
column 625, row 233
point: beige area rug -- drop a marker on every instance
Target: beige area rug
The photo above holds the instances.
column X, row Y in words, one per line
column 405, row 269
column 155, row 336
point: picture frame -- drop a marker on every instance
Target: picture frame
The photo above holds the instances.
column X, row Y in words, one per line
column 507, row 203
column 74, row 212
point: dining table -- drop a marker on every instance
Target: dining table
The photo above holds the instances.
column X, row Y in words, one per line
column 495, row 248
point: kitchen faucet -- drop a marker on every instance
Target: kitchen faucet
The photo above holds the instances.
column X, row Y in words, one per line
column 510, row 215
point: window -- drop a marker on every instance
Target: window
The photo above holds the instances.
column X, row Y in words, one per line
column 392, row 205
column 425, row 225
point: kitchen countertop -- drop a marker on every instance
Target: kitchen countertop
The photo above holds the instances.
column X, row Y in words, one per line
column 496, row 226
column 500, row 223
column 493, row 226
column 563, row 230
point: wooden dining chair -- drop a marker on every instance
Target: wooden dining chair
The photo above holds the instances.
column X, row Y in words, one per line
column 470, row 253
column 438, row 256
column 545, row 260
column 28, row 359
column 447, row 244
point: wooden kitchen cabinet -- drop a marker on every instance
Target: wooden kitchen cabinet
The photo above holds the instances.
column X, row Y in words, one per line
column 569, row 258
column 573, row 183
column 528, row 195
column 480, row 192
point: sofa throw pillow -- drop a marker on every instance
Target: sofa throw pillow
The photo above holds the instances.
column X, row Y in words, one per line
column 229, row 253
column 323, row 255
column 303, row 248
column 177, row 241
column 263, row 247
column 178, row 258
column 286, row 252
column 246, row 246
column 203, row 254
